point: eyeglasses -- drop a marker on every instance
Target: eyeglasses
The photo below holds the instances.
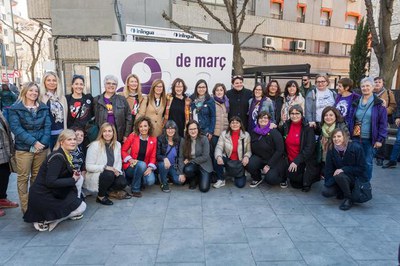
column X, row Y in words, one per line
column 169, row 128
column 320, row 81
column 295, row 113
column 111, row 83
column 305, row 80
column 193, row 129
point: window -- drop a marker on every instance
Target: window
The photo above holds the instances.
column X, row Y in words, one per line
column 325, row 19
column 351, row 22
column 276, row 10
column 321, row 47
column 5, row 32
column 214, row 2
column 301, row 14
column 346, row 48
column 7, row 47
column 4, row 17
column 287, row 44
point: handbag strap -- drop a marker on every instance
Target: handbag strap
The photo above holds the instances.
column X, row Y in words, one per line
column 366, row 110
column 242, row 149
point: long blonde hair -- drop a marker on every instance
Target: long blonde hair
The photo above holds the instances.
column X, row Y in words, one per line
column 163, row 96
column 65, row 134
column 43, row 89
column 126, row 90
column 100, row 138
column 25, row 87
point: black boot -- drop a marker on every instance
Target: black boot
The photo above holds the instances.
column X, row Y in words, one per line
column 390, row 164
column 346, row 205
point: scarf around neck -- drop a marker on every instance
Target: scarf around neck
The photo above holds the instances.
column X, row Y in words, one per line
column 224, row 100
column 262, row 131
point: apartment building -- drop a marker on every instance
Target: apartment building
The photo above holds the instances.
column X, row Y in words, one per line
column 6, row 38
column 317, row 32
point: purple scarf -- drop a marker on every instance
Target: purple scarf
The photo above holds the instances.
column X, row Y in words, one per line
column 223, row 100
column 262, row 131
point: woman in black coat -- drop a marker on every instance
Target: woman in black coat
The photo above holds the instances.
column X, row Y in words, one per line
column 299, row 139
column 53, row 197
column 345, row 162
column 267, row 153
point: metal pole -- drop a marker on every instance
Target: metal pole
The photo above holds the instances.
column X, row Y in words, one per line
column 15, row 44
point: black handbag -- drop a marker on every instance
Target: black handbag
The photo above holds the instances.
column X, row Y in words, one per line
column 235, row 168
column 362, row 191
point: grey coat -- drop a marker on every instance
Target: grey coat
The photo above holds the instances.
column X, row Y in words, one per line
column 6, row 142
column 122, row 114
column 310, row 104
column 202, row 155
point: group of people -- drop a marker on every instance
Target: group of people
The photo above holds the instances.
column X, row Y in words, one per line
column 117, row 143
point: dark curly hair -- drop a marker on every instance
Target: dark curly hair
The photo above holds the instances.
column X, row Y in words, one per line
column 139, row 120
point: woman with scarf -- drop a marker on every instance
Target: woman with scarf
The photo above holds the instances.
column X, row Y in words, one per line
column 267, row 153
column 273, row 91
column 133, row 95
column 292, row 97
column 52, row 94
column 258, row 104
column 233, row 144
column 178, row 106
column 331, row 119
column 203, row 108
column 345, row 163
column 221, row 124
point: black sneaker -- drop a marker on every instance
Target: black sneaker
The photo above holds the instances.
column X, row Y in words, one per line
column 165, row 188
column 379, row 162
column 255, row 183
column 390, row 164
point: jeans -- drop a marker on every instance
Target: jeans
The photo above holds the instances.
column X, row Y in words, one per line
column 240, row 181
column 164, row 173
column 136, row 176
column 369, row 152
column 396, row 147
column 195, row 174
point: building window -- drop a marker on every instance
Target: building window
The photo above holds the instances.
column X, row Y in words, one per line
column 287, row 44
column 5, row 32
column 351, row 22
column 7, row 47
column 321, row 47
column 325, row 19
column 301, row 14
column 346, row 48
column 276, row 11
column 4, row 17
column 214, row 2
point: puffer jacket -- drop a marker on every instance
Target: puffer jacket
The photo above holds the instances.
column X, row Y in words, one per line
column 122, row 114
column 225, row 145
column 29, row 127
column 221, row 118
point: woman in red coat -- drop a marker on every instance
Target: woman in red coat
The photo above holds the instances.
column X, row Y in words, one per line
column 139, row 155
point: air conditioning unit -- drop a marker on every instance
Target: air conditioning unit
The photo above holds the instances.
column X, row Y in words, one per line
column 300, row 45
column 268, row 42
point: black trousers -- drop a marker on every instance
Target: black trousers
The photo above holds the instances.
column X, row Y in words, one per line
column 108, row 181
column 275, row 175
column 345, row 183
column 4, row 178
column 381, row 152
column 306, row 174
column 197, row 175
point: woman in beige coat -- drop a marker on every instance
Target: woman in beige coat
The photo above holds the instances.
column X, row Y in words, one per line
column 233, row 144
column 153, row 106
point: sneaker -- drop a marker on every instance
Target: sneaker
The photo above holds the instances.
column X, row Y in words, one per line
column 5, row 203
column 165, row 188
column 255, row 183
column 219, row 184
column 284, row 184
column 379, row 162
column 76, row 217
column 2, row 213
column 41, row 227
column 390, row 164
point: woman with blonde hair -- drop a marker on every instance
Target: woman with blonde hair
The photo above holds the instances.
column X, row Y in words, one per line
column 104, row 166
column 53, row 197
column 133, row 95
column 30, row 123
column 154, row 106
column 52, row 95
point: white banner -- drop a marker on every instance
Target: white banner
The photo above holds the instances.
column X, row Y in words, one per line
column 167, row 61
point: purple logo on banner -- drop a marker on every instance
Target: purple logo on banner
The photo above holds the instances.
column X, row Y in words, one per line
column 149, row 60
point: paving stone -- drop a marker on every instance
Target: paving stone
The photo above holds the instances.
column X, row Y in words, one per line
column 229, row 254
column 133, row 255
column 37, row 255
column 94, row 253
column 223, row 229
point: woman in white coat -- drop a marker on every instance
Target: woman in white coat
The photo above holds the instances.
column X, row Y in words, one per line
column 104, row 166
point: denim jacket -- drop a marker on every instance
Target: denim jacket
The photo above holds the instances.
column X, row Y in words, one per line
column 206, row 115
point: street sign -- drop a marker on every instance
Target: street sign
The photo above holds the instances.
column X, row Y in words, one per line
column 16, row 73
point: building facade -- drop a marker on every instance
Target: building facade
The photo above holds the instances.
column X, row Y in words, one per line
column 317, row 32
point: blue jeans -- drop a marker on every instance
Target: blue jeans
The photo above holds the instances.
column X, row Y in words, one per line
column 396, row 147
column 369, row 153
column 164, row 173
column 136, row 175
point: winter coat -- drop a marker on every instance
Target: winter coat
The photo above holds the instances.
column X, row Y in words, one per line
column 267, row 106
column 378, row 120
column 6, row 141
column 202, row 155
column 206, row 115
column 353, row 163
column 269, row 148
column 389, row 100
column 63, row 101
column 29, row 127
column 278, row 103
column 320, row 147
column 310, row 112
column 130, row 150
column 350, row 112
column 162, row 146
column 221, row 118
column 297, row 100
column 239, row 104
column 122, row 114
column 96, row 159
column 156, row 114
column 225, row 145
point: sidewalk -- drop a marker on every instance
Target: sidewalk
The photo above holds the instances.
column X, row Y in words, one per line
column 226, row 226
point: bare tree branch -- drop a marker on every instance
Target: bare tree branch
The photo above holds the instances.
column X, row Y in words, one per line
column 184, row 28
column 217, row 19
column 18, row 32
column 252, row 33
column 243, row 15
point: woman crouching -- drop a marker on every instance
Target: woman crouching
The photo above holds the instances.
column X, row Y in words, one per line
column 53, row 197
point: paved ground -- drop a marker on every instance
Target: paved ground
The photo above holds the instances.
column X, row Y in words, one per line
column 228, row 226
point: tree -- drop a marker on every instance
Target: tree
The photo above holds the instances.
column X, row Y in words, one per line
column 359, row 54
column 236, row 21
column 34, row 42
column 387, row 50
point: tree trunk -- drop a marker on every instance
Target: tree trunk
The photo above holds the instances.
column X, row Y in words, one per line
column 237, row 55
